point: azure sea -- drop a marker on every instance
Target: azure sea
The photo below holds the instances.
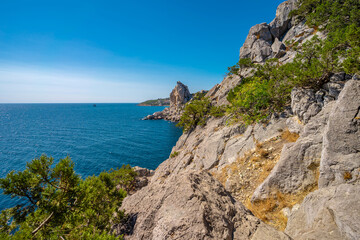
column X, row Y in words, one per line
column 96, row 137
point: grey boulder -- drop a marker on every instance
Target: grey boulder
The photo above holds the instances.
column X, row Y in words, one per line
column 330, row 213
column 191, row 205
column 282, row 21
column 257, row 45
column 296, row 170
column 278, row 48
column 340, row 161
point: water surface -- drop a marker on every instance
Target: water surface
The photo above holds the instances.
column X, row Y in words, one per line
column 96, row 138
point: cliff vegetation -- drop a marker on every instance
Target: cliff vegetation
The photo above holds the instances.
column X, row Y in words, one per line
column 267, row 90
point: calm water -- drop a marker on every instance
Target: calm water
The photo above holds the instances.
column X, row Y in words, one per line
column 96, row 138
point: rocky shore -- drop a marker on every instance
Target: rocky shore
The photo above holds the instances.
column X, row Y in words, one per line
column 179, row 96
column 295, row 177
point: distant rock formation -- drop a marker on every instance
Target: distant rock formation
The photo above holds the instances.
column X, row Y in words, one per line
column 179, row 96
column 156, row 102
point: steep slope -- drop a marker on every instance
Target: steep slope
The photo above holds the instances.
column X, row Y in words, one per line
column 272, row 168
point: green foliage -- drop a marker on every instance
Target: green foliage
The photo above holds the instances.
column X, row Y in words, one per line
column 174, row 154
column 340, row 19
column 251, row 99
column 56, row 202
column 217, row 111
column 197, row 111
column 156, row 102
column 268, row 90
column 239, row 67
column 331, row 15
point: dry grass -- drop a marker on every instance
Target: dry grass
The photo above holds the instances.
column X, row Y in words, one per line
column 248, row 172
column 316, row 29
column 289, row 136
column 300, row 35
column 347, row 176
column 270, row 210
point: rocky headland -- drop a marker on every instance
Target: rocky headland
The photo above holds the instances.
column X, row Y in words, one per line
column 156, row 102
column 295, row 176
column 179, row 96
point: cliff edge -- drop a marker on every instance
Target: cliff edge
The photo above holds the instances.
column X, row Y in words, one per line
column 294, row 176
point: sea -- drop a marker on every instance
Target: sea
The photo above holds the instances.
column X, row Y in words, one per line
column 96, row 137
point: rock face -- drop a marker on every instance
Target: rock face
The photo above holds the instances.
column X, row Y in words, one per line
column 306, row 103
column 296, row 170
column 278, row 48
column 142, row 178
column 263, row 41
column 192, row 205
column 219, row 92
column 282, row 21
column 181, row 200
column 178, row 97
column 340, row 160
column 258, row 43
column 329, row 213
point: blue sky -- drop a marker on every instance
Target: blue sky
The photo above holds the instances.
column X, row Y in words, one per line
column 119, row 51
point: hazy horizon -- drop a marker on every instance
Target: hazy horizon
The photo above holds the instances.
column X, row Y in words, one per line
column 119, row 51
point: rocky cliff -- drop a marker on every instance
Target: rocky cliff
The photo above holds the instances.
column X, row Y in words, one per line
column 179, row 96
column 294, row 177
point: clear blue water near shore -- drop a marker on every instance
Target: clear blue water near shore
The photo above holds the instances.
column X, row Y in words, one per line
column 96, row 138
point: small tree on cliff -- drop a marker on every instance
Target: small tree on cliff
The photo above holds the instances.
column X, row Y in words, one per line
column 240, row 67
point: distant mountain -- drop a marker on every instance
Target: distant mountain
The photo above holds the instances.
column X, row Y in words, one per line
column 156, row 102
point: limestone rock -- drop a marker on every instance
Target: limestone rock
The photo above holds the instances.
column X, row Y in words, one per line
column 294, row 125
column 142, row 178
column 191, row 205
column 298, row 33
column 304, row 103
column 282, row 21
column 329, row 213
column 257, row 45
column 237, row 146
column 340, row 161
column 179, row 96
column 278, row 48
column 219, row 92
column 297, row 167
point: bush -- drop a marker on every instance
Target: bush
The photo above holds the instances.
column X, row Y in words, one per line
column 269, row 89
column 56, row 202
column 174, row 154
column 197, row 111
column 251, row 100
column 340, row 19
column 239, row 67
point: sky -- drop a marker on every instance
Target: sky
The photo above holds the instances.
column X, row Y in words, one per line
column 85, row 51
